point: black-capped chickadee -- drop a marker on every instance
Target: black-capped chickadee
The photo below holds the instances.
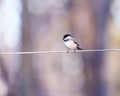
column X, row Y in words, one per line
column 70, row 43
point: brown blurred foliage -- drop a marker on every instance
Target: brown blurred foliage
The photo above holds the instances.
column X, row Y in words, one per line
column 44, row 22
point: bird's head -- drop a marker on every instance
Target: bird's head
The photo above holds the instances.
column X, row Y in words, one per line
column 67, row 37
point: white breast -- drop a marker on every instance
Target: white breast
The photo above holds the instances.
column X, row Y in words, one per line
column 70, row 44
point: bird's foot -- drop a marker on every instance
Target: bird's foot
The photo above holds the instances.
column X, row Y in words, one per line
column 68, row 51
column 74, row 51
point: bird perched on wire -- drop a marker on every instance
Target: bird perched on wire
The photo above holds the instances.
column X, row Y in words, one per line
column 70, row 43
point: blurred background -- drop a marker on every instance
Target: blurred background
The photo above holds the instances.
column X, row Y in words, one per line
column 39, row 25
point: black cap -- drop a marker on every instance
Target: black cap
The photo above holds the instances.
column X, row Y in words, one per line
column 66, row 35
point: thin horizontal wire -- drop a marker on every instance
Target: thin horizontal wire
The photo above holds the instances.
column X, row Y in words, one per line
column 46, row 52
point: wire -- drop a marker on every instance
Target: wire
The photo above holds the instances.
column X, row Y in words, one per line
column 46, row 52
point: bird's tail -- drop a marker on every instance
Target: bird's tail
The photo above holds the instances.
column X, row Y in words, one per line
column 78, row 48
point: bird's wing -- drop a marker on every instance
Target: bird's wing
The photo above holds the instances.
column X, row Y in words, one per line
column 76, row 43
column 78, row 48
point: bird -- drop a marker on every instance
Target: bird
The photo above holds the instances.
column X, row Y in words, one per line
column 70, row 43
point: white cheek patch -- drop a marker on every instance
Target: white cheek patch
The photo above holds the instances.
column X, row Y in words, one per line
column 69, row 38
